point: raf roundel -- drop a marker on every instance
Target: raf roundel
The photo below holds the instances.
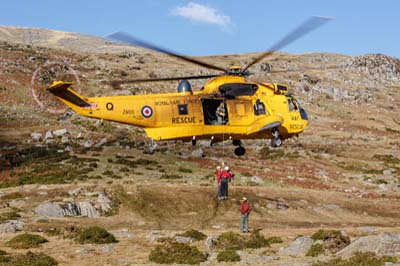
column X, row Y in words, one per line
column 147, row 112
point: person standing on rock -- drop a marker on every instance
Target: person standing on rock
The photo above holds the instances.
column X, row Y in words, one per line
column 245, row 209
column 218, row 173
column 226, row 177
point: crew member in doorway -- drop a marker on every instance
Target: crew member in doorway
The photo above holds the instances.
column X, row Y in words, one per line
column 221, row 114
column 245, row 209
column 218, row 173
column 226, row 177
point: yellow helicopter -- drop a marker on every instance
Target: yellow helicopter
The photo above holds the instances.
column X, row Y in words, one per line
column 226, row 108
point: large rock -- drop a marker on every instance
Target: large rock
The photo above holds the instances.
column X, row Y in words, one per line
column 383, row 245
column 11, row 226
column 60, row 132
column 184, row 239
column 36, row 136
column 198, row 153
column 299, row 247
column 49, row 209
column 104, row 202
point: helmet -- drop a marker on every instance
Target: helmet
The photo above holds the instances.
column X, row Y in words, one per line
column 226, row 168
column 218, row 167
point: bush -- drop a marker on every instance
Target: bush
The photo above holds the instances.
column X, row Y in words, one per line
column 316, row 250
column 26, row 241
column 172, row 252
column 274, row 240
column 257, row 241
column 231, row 241
column 228, row 255
column 360, row 259
column 95, row 235
column 2, row 252
column 29, row 259
column 194, row 234
column 7, row 216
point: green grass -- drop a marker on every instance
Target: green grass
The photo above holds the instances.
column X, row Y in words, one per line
column 13, row 195
column 315, row 250
column 7, row 216
column 95, row 235
column 185, row 170
column 359, row 259
column 171, row 252
column 26, row 241
column 228, row 256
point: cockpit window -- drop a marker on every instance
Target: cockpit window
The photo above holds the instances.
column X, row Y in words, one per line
column 292, row 105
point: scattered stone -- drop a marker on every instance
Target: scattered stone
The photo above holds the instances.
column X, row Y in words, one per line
column 36, row 136
column 11, row 226
column 88, row 144
column 387, row 172
column 299, row 247
column 367, row 229
column 211, row 242
column 106, row 248
column 257, row 180
column 84, row 251
column 198, row 153
column 154, row 235
column 48, row 135
column 76, row 191
column 104, row 202
column 183, row 239
column 42, row 193
column 280, row 205
column 64, row 140
column 60, row 132
column 101, row 143
column 332, row 207
column 384, row 245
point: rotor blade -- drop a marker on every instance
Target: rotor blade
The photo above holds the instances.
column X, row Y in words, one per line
column 308, row 26
column 119, row 82
column 125, row 38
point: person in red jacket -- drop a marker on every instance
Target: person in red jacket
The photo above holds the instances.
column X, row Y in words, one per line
column 245, row 209
column 218, row 173
column 226, row 177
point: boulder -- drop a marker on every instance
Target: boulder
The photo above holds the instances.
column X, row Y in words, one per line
column 298, row 247
column 11, row 226
column 385, row 245
column 89, row 143
column 60, row 132
column 88, row 210
column 49, row 209
column 36, row 136
column 101, row 143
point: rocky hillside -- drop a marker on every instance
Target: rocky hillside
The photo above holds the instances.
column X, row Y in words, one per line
column 64, row 177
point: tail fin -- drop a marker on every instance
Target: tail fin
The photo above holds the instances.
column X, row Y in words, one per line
column 66, row 94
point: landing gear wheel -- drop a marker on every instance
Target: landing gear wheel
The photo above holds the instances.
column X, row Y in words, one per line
column 193, row 142
column 240, row 151
column 276, row 140
column 152, row 147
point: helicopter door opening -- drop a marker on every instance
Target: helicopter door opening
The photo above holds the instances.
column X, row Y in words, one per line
column 259, row 108
column 215, row 112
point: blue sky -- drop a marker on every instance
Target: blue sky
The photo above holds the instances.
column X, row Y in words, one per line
column 222, row 27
